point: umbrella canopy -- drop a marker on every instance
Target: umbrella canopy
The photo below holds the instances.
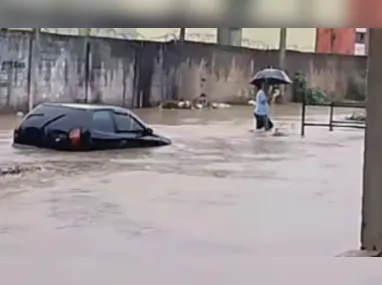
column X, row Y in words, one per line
column 272, row 76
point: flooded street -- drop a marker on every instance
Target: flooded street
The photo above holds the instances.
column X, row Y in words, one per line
column 222, row 205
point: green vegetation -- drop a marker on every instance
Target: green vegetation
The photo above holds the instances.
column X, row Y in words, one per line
column 313, row 96
column 356, row 90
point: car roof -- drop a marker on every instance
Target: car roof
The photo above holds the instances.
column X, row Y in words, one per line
column 86, row 107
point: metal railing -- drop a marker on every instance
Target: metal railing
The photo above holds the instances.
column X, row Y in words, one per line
column 332, row 123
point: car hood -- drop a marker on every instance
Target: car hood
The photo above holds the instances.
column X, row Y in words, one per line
column 161, row 139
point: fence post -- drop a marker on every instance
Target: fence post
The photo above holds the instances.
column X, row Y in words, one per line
column 331, row 114
column 303, row 114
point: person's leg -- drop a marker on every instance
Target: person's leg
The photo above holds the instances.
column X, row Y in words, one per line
column 259, row 122
column 269, row 124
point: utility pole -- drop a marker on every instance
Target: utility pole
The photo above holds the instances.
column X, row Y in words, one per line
column 282, row 47
column 181, row 9
column 371, row 230
column 282, row 55
column 182, row 34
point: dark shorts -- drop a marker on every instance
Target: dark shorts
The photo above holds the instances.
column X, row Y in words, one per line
column 263, row 122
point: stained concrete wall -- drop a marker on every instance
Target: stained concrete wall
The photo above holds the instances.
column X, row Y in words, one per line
column 140, row 74
column 330, row 72
column 14, row 55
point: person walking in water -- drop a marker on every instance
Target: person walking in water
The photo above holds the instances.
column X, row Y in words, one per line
column 261, row 111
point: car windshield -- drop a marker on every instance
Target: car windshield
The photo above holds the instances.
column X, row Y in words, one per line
column 126, row 123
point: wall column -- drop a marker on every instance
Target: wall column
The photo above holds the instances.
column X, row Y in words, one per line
column 230, row 36
column 371, row 232
column 235, row 12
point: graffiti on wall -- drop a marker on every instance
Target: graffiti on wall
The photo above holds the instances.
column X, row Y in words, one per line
column 12, row 75
column 119, row 33
column 12, row 72
column 12, row 64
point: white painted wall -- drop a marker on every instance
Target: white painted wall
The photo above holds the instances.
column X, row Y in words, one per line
column 101, row 32
column 302, row 39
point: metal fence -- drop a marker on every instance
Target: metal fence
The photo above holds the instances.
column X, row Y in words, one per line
column 332, row 122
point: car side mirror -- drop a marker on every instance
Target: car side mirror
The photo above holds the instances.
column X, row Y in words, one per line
column 148, row 132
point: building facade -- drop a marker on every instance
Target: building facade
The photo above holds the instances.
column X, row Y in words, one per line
column 351, row 41
column 365, row 13
column 361, row 41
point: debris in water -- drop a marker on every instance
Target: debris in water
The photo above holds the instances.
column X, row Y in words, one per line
column 361, row 117
column 279, row 133
column 18, row 169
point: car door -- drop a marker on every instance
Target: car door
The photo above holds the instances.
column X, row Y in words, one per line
column 103, row 131
column 130, row 129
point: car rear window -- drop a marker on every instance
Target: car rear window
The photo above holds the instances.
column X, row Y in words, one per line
column 42, row 116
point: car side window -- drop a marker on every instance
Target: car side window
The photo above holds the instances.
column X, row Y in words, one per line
column 103, row 121
column 126, row 123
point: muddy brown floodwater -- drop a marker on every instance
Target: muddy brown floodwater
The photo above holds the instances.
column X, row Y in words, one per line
column 220, row 206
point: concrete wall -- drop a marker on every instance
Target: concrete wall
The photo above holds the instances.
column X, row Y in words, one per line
column 14, row 65
column 329, row 72
column 138, row 73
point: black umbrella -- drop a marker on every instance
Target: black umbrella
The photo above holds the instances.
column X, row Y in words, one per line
column 272, row 76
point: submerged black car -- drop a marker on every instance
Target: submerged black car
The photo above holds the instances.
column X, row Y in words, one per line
column 84, row 127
